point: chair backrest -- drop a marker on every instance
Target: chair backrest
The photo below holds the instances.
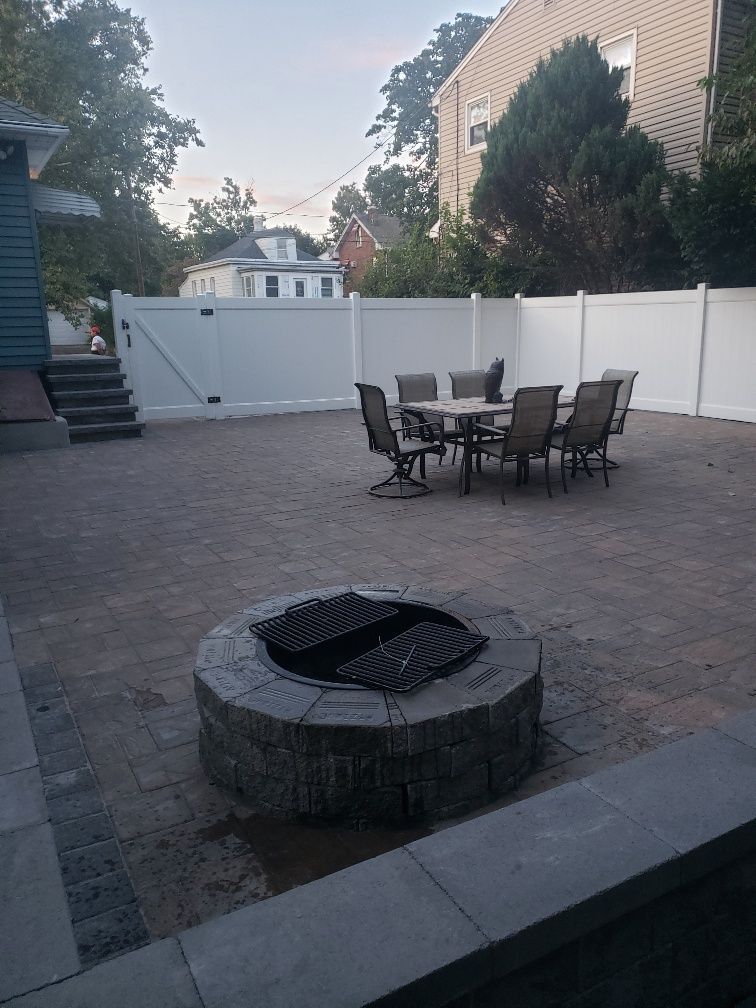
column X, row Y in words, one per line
column 534, row 413
column 375, row 414
column 592, row 416
column 417, row 387
column 627, row 378
column 468, row 384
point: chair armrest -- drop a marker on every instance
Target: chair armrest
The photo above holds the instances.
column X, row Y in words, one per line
column 490, row 430
column 425, row 426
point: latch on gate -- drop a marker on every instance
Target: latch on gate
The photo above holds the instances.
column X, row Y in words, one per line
column 125, row 325
column 213, row 398
column 206, row 311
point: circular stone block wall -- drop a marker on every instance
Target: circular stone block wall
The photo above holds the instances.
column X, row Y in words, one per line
column 370, row 758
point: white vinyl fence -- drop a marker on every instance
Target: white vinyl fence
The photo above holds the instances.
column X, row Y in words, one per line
column 219, row 357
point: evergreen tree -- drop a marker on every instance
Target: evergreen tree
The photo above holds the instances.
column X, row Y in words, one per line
column 563, row 180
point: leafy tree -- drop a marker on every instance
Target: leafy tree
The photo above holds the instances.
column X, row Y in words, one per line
column 305, row 241
column 348, row 200
column 82, row 63
column 455, row 266
column 734, row 118
column 563, row 179
column 412, row 84
column 713, row 215
column 404, row 192
column 213, row 224
column 714, row 219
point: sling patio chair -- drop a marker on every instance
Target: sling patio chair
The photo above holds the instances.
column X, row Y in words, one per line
column 627, row 380
column 383, row 438
column 531, row 426
column 587, row 430
column 470, row 385
column 420, row 388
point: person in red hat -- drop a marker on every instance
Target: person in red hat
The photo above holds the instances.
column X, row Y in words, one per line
column 99, row 346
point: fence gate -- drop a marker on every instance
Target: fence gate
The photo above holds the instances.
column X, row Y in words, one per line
column 169, row 350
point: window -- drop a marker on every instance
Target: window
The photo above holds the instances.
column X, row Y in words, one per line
column 248, row 285
column 202, row 286
column 282, row 251
column 476, row 117
column 300, row 288
column 271, row 286
column 620, row 52
column 358, row 236
column 212, row 285
column 326, row 287
column 194, row 288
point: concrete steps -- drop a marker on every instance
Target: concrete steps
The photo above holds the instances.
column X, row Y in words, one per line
column 88, row 392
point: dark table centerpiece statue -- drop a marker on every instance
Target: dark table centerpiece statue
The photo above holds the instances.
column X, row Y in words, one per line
column 493, row 380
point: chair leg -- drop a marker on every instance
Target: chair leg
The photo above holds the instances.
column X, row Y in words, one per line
column 422, row 466
column 605, row 460
column 574, row 463
column 461, row 487
column 518, row 478
column 525, row 470
column 584, row 460
column 548, row 475
column 501, row 480
column 478, row 462
column 564, row 474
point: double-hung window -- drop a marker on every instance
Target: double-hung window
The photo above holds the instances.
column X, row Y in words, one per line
column 326, row 287
column 194, row 287
column 477, row 115
column 202, row 286
column 282, row 251
column 248, row 284
column 620, row 52
column 271, row 286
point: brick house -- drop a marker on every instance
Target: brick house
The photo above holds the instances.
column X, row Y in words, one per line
column 366, row 235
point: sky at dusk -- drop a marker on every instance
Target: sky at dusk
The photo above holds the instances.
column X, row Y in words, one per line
column 283, row 92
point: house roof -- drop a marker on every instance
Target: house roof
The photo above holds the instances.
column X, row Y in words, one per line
column 384, row 229
column 41, row 135
column 505, row 11
column 247, row 247
column 53, row 205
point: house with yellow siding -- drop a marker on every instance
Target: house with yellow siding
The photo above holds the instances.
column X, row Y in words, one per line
column 665, row 47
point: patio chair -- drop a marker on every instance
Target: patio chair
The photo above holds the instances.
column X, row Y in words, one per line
column 418, row 388
column 627, row 380
column 587, row 430
column 383, row 439
column 469, row 385
column 531, row 426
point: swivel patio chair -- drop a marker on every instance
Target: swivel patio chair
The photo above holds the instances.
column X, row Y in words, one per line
column 534, row 412
column 384, row 439
column 587, row 430
column 627, row 380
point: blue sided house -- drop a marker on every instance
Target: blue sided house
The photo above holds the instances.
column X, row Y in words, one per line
column 41, row 398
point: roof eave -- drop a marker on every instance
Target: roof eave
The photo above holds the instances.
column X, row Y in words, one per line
column 503, row 13
column 38, row 153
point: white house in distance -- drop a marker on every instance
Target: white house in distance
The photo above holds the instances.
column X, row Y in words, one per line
column 265, row 264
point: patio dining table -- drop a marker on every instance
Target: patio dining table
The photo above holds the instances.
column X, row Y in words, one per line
column 467, row 411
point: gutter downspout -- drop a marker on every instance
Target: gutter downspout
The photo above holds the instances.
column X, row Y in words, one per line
column 456, row 143
column 709, row 127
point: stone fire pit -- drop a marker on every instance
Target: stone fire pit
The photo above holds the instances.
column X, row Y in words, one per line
column 299, row 747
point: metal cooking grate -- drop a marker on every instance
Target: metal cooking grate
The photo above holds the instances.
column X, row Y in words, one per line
column 413, row 657
column 318, row 620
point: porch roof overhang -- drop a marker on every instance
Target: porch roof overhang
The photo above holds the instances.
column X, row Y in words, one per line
column 59, row 206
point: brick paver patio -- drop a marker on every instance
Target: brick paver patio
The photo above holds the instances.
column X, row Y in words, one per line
column 116, row 558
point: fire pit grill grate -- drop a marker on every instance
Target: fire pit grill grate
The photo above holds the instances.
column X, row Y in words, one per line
column 319, row 620
column 412, row 658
